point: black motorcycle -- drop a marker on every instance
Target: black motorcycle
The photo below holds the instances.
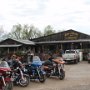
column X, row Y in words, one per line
column 20, row 78
column 55, row 70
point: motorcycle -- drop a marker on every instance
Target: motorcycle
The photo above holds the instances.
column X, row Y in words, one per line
column 6, row 81
column 20, row 78
column 35, row 70
column 55, row 69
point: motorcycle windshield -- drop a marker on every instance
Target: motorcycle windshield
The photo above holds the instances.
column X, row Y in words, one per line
column 36, row 61
column 4, row 64
column 36, row 58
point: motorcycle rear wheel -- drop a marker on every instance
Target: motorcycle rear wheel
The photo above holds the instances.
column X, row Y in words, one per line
column 47, row 75
column 62, row 74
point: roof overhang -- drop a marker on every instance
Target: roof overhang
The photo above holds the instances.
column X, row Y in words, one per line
column 10, row 45
column 20, row 41
column 64, row 41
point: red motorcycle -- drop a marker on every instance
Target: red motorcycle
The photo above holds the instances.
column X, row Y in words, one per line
column 6, row 82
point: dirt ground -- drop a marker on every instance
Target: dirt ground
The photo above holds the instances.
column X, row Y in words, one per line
column 77, row 78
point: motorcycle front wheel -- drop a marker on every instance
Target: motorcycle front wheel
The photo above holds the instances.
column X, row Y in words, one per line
column 42, row 78
column 24, row 82
column 9, row 86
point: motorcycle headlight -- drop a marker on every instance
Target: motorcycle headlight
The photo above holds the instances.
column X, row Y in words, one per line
column 8, row 72
column 25, row 70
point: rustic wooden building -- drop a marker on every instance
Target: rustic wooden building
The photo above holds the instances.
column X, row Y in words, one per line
column 69, row 39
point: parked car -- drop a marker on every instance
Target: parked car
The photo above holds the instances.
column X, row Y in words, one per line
column 71, row 56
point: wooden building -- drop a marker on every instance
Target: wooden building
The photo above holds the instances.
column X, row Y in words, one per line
column 69, row 39
column 13, row 45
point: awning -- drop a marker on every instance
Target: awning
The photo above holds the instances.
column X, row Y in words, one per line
column 10, row 45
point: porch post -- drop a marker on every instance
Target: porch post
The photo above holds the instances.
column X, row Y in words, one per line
column 57, row 48
column 61, row 46
column 34, row 49
column 14, row 50
column 42, row 48
column 8, row 50
column 17, row 48
column 81, row 45
column 24, row 48
column 72, row 46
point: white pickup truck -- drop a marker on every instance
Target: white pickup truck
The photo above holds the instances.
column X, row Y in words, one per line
column 71, row 56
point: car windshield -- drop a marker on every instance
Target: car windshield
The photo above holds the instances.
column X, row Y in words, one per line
column 4, row 64
column 70, row 51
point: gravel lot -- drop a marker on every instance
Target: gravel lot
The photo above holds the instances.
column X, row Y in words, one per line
column 77, row 78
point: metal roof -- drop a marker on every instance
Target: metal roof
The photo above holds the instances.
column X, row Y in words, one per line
column 28, row 42
column 10, row 45
column 22, row 41
column 64, row 41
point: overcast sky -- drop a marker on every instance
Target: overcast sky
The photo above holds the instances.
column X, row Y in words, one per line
column 60, row 14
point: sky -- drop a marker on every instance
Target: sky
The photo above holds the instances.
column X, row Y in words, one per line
column 60, row 14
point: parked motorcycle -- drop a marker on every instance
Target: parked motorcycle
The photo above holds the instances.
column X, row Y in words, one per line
column 55, row 69
column 35, row 70
column 6, row 82
column 20, row 78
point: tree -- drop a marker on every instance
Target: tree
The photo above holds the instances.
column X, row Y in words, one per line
column 48, row 30
column 24, row 32
column 16, row 32
column 30, row 32
column 37, row 33
column 1, row 32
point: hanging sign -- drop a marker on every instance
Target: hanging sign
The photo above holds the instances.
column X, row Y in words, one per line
column 71, row 36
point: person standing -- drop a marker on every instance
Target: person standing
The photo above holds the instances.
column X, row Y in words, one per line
column 30, row 55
